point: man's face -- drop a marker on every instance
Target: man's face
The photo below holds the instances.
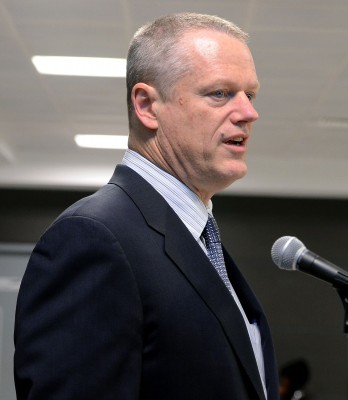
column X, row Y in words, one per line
column 204, row 127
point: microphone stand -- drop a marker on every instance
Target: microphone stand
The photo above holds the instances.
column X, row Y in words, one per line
column 340, row 283
column 343, row 294
column 342, row 290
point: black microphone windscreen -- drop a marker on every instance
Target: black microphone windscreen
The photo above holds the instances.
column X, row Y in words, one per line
column 285, row 252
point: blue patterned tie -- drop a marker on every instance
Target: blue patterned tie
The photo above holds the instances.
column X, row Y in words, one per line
column 211, row 236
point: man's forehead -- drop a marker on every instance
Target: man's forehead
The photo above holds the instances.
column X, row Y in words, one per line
column 206, row 46
column 208, row 43
column 215, row 46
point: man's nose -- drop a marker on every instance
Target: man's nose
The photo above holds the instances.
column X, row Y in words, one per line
column 244, row 110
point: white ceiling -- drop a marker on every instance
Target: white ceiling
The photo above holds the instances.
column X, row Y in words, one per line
column 300, row 143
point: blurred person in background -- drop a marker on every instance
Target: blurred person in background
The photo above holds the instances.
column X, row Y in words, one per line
column 294, row 377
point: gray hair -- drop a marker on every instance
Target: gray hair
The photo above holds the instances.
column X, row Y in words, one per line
column 154, row 56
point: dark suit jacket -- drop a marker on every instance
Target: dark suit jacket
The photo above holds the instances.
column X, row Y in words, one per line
column 119, row 302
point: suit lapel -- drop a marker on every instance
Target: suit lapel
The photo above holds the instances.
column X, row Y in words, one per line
column 185, row 252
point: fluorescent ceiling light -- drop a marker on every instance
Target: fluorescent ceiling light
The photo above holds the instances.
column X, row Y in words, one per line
column 102, row 141
column 80, row 66
column 340, row 123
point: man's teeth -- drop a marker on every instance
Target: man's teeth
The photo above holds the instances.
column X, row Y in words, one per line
column 237, row 141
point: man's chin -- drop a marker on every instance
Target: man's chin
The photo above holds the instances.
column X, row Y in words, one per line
column 238, row 171
column 230, row 179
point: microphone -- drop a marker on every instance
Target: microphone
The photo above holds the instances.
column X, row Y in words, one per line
column 290, row 253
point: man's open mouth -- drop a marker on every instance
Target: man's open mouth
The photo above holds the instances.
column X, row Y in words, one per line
column 236, row 141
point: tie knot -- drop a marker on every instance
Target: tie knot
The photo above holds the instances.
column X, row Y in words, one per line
column 211, row 231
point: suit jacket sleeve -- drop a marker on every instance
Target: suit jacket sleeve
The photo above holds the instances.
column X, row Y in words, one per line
column 93, row 336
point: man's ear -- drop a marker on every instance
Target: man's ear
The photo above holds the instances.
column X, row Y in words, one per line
column 144, row 97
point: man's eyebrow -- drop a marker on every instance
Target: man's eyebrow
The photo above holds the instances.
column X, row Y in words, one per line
column 227, row 83
column 257, row 86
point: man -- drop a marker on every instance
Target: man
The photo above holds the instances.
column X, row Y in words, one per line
column 120, row 299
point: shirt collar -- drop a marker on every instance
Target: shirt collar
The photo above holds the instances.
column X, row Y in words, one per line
column 187, row 205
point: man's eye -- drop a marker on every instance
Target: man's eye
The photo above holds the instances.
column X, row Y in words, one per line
column 221, row 94
column 250, row 96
